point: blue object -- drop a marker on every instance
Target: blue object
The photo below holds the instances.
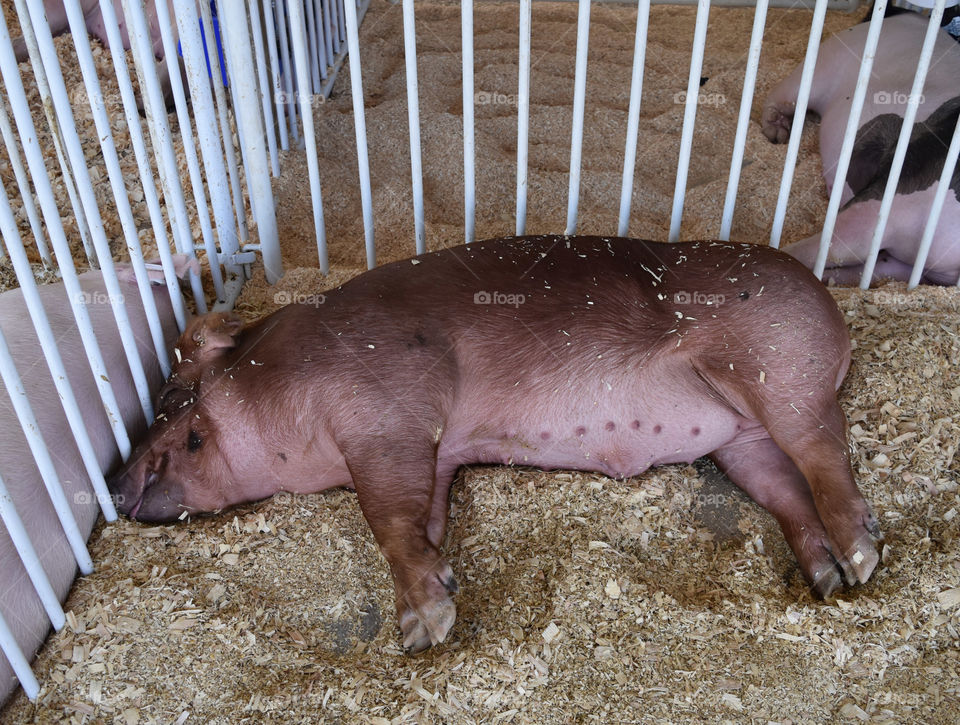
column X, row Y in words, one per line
column 206, row 52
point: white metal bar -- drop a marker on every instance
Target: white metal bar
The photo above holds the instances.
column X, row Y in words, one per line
column 35, row 161
column 48, row 344
column 331, row 15
column 469, row 137
column 743, row 122
column 523, row 115
column 689, row 118
column 21, row 668
column 633, row 116
column 51, row 482
column 579, row 100
column 118, row 186
column 849, row 136
column 800, row 112
column 43, row 88
column 413, row 120
column 189, row 147
column 156, row 112
column 186, row 10
column 256, row 30
column 943, row 188
column 324, row 41
column 146, row 172
column 299, row 40
column 286, row 59
column 341, row 13
column 900, row 152
column 252, row 137
column 315, row 45
column 87, row 197
column 13, row 522
column 360, row 126
column 276, row 84
column 23, row 182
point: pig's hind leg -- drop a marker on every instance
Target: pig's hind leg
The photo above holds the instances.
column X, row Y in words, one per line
column 778, row 109
column 399, row 489
column 765, row 473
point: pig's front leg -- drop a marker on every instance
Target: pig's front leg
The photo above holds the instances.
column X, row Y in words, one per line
column 404, row 500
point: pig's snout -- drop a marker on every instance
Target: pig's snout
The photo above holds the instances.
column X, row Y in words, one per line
column 144, row 493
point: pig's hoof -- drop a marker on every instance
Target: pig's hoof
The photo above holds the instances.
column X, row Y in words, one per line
column 427, row 627
column 777, row 120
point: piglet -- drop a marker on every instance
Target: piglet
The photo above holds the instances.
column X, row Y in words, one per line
column 607, row 355
column 888, row 92
column 19, row 602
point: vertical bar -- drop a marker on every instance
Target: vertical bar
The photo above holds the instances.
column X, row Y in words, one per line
column 118, row 186
column 299, row 41
column 156, row 112
column 48, row 344
column 849, row 136
column 256, row 30
column 950, row 163
column 21, row 668
column 469, row 139
column 579, row 100
column 88, row 198
column 13, row 152
column 743, row 122
column 143, row 165
column 38, row 170
column 51, row 481
column 13, row 522
column 186, row 10
column 523, row 115
column 324, row 41
column 800, row 112
column 331, row 16
column 413, row 120
column 360, row 125
column 286, row 59
column 906, row 130
column 252, row 137
column 315, row 45
column 689, row 117
column 189, row 148
column 43, row 88
column 280, row 108
column 633, row 116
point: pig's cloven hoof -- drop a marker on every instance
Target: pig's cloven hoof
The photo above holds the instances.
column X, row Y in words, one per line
column 855, row 565
column 427, row 627
column 776, row 121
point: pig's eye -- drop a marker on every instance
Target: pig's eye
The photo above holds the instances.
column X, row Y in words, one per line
column 193, row 441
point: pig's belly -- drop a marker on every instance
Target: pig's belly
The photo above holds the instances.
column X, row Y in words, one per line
column 619, row 439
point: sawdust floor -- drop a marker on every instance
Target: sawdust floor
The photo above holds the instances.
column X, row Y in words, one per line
column 670, row 596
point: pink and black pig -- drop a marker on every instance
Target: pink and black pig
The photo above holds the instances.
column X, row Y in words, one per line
column 888, row 92
column 19, row 602
column 607, row 355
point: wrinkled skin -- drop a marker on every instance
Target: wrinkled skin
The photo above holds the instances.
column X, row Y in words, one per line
column 835, row 77
column 612, row 361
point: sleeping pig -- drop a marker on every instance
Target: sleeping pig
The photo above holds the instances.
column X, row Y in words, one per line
column 887, row 94
column 607, row 355
column 19, row 602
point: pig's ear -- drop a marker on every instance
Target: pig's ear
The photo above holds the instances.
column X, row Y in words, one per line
column 209, row 334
